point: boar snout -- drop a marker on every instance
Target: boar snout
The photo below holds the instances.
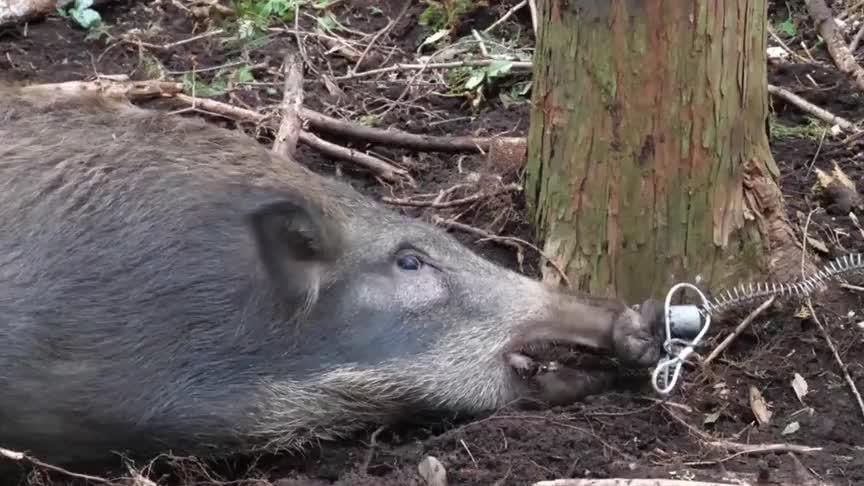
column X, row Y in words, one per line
column 554, row 354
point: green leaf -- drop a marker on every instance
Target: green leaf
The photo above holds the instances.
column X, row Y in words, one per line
column 327, row 22
column 88, row 18
column 498, row 68
column 475, row 79
column 244, row 75
column 83, row 4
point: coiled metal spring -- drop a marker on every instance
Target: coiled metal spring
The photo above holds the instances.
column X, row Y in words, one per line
column 693, row 320
column 747, row 292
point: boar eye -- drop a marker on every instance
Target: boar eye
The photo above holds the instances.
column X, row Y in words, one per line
column 409, row 262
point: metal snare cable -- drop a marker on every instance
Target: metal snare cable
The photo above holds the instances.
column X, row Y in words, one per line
column 682, row 321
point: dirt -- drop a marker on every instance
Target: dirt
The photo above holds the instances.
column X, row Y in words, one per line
column 627, row 433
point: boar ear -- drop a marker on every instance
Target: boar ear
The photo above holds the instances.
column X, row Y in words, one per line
column 295, row 231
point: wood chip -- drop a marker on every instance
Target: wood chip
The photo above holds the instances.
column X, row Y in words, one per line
column 759, row 406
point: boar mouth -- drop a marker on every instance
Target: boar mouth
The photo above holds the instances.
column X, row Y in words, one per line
column 548, row 354
column 543, row 356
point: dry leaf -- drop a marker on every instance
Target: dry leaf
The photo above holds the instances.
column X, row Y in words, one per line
column 803, row 313
column 432, row 471
column 759, row 407
column 791, row 428
column 799, row 384
column 818, row 244
column 710, row 418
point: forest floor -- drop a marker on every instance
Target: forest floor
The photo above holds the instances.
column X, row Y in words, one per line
column 621, row 434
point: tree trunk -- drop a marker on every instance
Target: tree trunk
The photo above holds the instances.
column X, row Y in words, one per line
column 648, row 155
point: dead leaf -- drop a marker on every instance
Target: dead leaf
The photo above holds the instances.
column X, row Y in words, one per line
column 803, row 313
column 818, row 244
column 799, row 384
column 791, row 428
column 759, row 406
column 432, row 471
column 710, row 418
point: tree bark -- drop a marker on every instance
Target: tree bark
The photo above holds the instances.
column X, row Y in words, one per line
column 648, row 154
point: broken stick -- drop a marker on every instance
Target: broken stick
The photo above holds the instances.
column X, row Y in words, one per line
column 814, row 110
column 628, row 482
column 843, row 58
column 398, row 138
column 738, row 330
column 292, row 103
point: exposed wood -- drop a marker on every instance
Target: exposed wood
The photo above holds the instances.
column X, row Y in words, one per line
column 824, row 20
column 292, row 103
column 641, row 178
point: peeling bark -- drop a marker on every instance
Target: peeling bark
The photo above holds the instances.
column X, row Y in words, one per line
column 648, row 156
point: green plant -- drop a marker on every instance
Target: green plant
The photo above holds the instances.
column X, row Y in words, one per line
column 82, row 14
column 812, row 129
column 254, row 16
column 444, row 14
column 787, row 27
column 219, row 85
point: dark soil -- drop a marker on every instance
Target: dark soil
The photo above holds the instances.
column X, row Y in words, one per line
column 622, row 434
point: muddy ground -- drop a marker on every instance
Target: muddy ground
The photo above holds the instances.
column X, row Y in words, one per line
column 622, row 434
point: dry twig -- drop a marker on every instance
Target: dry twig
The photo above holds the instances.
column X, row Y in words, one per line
column 837, row 358
column 510, row 241
column 378, row 34
column 628, row 482
column 400, row 139
column 315, row 120
column 524, row 65
column 454, row 202
column 129, row 39
column 824, row 20
column 814, row 110
column 20, row 457
column 506, row 16
column 738, row 330
column 853, row 46
column 739, row 447
column 292, row 103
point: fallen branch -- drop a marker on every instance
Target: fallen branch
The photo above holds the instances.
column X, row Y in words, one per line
column 400, row 139
column 523, row 65
column 629, row 482
column 20, row 457
column 454, row 202
column 856, row 288
column 814, row 110
column 379, row 167
column 853, row 46
column 510, row 241
column 837, row 358
column 292, row 102
column 112, row 87
column 843, row 58
column 315, row 120
column 139, row 89
column 738, row 330
column 739, row 447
